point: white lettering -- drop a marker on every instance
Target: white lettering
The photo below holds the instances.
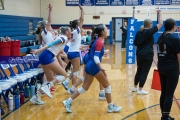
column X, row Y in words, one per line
column 131, row 41
column 132, row 28
column 130, row 47
column 132, row 21
column 130, row 54
column 131, row 34
column 129, row 60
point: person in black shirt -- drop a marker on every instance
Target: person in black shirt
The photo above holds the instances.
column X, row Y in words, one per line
column 144, row 42
column 123, row 29
column 168, row 66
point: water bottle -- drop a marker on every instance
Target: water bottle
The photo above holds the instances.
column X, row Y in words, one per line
column 28, row 90
column 22, row 98
column 17, row 103
column 10, row 102
column 32, row 90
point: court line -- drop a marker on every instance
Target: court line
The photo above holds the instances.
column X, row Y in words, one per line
column 128, row 116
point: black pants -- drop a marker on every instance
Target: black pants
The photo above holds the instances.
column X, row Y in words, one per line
column 169, row 80
column 124, row 37
column 143, row 67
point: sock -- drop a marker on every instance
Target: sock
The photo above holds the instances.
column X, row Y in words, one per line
column 70, row 100
column 67, row 80
column 51, row 84
column 109, row 104
column 73, row 88
column 101, row 91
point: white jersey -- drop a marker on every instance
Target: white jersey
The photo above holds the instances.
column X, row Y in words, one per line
column 68, row 44
column 59, row 47
column 75, row 41
column 47, row 37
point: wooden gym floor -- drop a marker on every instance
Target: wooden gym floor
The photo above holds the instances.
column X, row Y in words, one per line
column 89, row 107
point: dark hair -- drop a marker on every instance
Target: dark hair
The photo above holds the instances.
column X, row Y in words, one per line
column 168, row 25
column 73, row 23
column 88, row 32
column 97, row 32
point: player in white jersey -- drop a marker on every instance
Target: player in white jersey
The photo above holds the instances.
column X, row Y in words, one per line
column 46, row 58
column 73, row 52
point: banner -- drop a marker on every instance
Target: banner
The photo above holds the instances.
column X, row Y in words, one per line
column 131, row 2
column 146, row 2
column 116, row 2
column 101, row 2
column 87, row 2
column 175, row 2
column 72, row 2
column 162, row 2
column 130, row 48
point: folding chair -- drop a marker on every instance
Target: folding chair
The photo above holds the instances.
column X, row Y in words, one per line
column 21, row 78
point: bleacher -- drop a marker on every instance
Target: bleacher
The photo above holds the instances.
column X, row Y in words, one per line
column 19, row 28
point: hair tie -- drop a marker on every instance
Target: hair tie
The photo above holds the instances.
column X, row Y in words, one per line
column 96, row 35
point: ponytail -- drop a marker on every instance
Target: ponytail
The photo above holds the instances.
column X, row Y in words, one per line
column 161, row 41
column 141, row 28
column 93, row 37
column 40, row 36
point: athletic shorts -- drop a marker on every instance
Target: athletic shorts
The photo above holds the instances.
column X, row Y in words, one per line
column 85, row 59
column 92, row 68
column 46, row 57
column 35, row 64
column 72, row 55
column 66, row 48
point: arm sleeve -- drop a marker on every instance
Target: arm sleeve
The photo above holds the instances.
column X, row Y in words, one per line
column 98, row 48
column 57, row 41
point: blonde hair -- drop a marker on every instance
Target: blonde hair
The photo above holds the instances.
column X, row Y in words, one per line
column 146, row 24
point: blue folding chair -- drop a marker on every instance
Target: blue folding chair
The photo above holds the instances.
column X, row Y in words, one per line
column 20, row 77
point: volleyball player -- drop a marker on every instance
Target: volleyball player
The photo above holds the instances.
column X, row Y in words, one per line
column 47, row 60
column 168, row 66
column 94, row 69
column 73, row 52
column 144, row 42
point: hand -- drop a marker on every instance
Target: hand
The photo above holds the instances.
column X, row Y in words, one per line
column 158, row 10
column 103, row 71
column 49, row 7
column 80, row 7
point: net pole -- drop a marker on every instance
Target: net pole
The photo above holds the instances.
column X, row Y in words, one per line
column 133, row 13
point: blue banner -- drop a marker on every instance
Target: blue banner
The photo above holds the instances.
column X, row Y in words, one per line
column 72, row 2
column 146, row 2
column 87, row 2
column 116, row 2
column 131, row 2
column 162, row 2
column 130, row 48
column 101, row 2
column 175, row 2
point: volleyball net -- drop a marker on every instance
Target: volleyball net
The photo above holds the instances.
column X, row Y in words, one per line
column 150, row 12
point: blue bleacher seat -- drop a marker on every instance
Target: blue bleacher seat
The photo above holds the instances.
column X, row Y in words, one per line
column 24, row 38
column 17, row 27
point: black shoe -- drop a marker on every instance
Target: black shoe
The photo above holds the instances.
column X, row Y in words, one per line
column 170, row 118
